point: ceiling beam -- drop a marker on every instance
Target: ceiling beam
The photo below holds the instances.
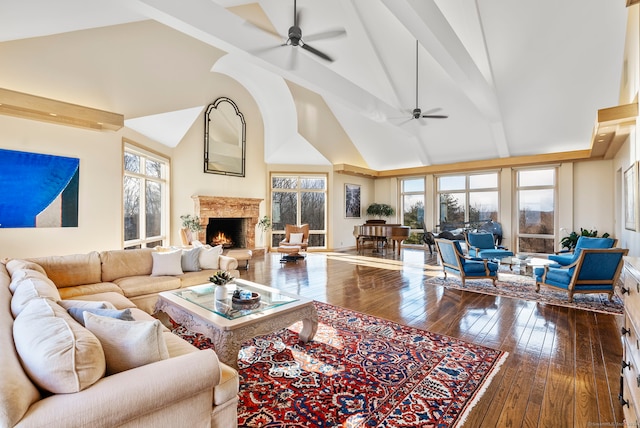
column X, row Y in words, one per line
column 34, row 107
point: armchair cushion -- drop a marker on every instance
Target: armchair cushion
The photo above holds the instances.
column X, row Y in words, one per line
column 583, row 242
column 295, row 238
column 482, row 245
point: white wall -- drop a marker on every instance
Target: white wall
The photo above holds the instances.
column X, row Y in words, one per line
column 342, row 232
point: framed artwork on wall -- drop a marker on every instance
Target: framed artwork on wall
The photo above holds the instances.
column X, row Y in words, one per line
column 38, row 190
column 630, row 197
column 352, row 201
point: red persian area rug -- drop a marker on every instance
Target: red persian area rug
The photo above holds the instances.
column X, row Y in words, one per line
column 359, row 371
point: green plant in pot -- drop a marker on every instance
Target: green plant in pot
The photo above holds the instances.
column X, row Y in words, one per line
column 221, row 279
column 379, row 210
column 192, row 224
column 569, row 242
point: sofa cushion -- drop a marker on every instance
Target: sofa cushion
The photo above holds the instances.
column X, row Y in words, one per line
column 120, row 314
column 68, row 304
column 15, row 264
column 29, row 289
column 190, row 259
column 71, row 270
column 88, row 289
column 58, row 354
column 166, row 263
column 22, row 274
column 128, row 344
column 17, row 392
column 141, row 285
column 209, row 257
column 123, row 263
column 115, row 299
column 189, row 279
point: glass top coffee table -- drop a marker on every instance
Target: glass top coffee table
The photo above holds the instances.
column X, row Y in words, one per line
column 524, row 266
column 228, row 324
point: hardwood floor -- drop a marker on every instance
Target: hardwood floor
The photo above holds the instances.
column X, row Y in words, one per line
column 563, row 368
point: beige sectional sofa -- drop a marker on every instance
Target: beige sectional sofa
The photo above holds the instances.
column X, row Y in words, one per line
column 58, row 373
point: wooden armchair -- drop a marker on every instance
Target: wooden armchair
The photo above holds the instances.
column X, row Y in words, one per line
column 296, row 236
column 453, row 261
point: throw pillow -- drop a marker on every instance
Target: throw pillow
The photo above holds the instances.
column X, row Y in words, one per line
column 29, row 289
column 191, row 260
column 167, row 263
column 295, row 238
column 209, row 257
column 128, row 344
column 21, row 274
column 57, row 353
column 70, row 303
column 78, row 313
column 196, row 243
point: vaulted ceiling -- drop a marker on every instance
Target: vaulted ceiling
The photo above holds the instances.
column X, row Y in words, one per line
column 514, row 78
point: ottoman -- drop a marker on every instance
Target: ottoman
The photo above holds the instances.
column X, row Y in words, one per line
column 241, row 255
column 290, row 253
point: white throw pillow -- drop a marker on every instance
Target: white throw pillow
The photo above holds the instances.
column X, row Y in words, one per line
column 167, row 263
column 128, row 344
column 295, row 238
column 196, row 243
column 209, row 256
column 191, row 260
column 32, row 288
column 57, row 353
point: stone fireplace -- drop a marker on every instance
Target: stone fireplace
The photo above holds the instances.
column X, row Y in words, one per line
column 236, row 217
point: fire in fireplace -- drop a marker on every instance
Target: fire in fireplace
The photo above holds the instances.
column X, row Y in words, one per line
column 228, row 232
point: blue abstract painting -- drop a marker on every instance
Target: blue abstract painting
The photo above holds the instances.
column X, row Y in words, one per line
column 38, row 190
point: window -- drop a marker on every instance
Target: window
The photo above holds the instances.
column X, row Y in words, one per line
column 536, row 190
column 299, row 199
column 412, row 201
column 470, row 199
column 145, row 187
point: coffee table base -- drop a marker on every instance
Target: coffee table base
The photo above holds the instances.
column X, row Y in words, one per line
column 227, row 343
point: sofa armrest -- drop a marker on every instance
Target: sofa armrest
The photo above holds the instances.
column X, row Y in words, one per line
column 134, row 394
column 227, row 263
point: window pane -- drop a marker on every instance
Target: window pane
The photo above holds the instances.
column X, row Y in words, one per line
column 312, row 183
column 536, row 211
column 482, row 207
column 413, row 185
column 131, row 208
column 312, row 209
column 131, row 162
column 535, row 245
column 483, row 181
column 276, row 238
column 452, row 209
column 153, row 168
column 285, row 209
column 413, row 211
column 537, row 177
column 153, row 209
column 284, row 183
column 451, row 182
column 316, row 240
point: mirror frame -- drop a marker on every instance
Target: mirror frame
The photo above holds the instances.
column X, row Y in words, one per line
column 207, row 149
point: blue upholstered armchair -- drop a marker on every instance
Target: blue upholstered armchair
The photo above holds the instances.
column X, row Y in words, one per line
column 596, row 270
column 566, row 258
column 482, row 245
column 453, row 261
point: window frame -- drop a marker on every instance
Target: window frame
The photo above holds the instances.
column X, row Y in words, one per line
column 133, row 148
column 299, row 190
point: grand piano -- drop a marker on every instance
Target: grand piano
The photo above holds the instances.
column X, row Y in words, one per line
column 380, row 234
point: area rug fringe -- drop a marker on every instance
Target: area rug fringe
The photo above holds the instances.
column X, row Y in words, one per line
column 485, row 385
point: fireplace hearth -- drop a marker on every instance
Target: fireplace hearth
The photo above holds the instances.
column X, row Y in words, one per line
column 236, row 218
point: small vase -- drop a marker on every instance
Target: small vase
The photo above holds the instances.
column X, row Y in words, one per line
column 221, row 292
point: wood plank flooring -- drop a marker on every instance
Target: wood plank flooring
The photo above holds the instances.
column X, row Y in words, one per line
column 563, row 368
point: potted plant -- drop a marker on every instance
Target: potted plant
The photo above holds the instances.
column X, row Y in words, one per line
column 264, row 224
column 221, row 279
column 569, row 242
column 192, row 224
column 379, row 211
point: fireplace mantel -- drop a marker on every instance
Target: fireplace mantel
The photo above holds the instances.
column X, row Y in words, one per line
column 208, row 207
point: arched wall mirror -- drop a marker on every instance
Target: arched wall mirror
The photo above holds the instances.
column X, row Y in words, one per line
column 224, row 138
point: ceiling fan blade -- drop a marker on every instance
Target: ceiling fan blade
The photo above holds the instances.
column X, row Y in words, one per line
column 326, row 35
column 435, row 116
column 315, row 51
column 433, row 110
